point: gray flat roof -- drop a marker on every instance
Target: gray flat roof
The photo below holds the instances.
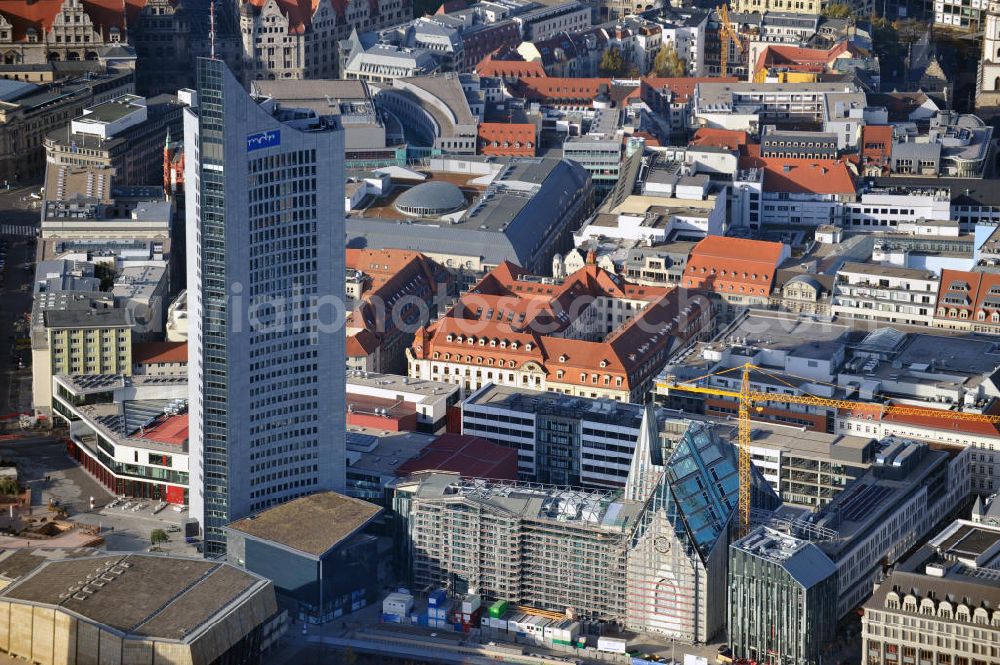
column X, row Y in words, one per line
column 167, row 597
column 312, row 524
column 106, row 317
column 116, row 109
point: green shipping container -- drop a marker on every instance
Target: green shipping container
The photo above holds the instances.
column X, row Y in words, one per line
column 498, row 609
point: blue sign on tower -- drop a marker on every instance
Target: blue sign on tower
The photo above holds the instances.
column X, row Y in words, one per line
column 262, row 140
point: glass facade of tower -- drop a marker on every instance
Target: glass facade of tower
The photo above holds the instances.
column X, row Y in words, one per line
column 214, row 321
column 266, row 377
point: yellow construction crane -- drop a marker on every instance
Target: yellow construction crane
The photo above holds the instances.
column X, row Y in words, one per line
column 751, row 400
column 726, row 34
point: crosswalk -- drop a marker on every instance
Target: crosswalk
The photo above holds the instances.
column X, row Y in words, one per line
column 26, row 230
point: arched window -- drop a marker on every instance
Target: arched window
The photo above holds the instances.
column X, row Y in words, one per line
column 996, row 83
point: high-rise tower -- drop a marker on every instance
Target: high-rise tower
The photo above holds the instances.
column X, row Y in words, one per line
column 265, row 235
column 988, row 83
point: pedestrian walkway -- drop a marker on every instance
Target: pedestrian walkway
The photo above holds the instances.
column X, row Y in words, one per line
column 24, row 230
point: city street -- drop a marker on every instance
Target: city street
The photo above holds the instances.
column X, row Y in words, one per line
column 16, row 214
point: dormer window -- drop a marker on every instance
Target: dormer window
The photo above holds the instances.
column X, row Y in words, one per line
column 604, row 363
column 562, row 358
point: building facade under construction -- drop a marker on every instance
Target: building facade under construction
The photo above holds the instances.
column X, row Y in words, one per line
column 652, row 558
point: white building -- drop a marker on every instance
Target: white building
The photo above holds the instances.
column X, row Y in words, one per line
column 265, row 367
column 885, row 294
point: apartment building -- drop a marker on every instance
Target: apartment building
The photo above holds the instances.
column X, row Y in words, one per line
column 838, row 107
column 126, row 134
column 940, row 606
column 79, row 340
column 885, row 294
column 782, row 191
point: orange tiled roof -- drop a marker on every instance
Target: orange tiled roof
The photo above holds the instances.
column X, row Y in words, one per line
column 683, row 87
column 804, row 176
column 518, row 322
column 731, row 139
column 876, row 144
column 519, row 137
column 733, row 265
column 509, row 69
column 800, row 59
column 389, row 274
column 973, row 293
column 148, row 353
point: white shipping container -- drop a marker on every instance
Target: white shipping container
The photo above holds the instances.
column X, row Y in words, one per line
column 397, row 603
column 612, row 644
column 471, row 603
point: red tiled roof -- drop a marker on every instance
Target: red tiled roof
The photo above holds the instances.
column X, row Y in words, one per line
column 731, row 139
column 389, row 274
column 876, row 144
column 935, row 419
column 172, row 430
column 147, row 353
column 517, row 321
column 469, row 456
column 733, row 265
column 804, row 176
column 683, row 87
column 969, row 292
column 362, row 343
column 801, row 59
column 519, row 137
column 509, row 69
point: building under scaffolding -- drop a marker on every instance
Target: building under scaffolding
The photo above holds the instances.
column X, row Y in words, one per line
column 652, row 558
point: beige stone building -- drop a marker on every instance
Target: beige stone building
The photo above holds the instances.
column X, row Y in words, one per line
column 83, row 606
column 285, row 40
column 813, row 7
column 942, row 605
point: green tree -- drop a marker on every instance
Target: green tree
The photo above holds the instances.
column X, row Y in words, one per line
column 157, row 536
column 838, row 10
column 668, row 63
column 612, row 63
column 9, row 487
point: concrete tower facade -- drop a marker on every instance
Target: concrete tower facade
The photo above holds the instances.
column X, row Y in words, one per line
column 988, row 84
column 265, row 233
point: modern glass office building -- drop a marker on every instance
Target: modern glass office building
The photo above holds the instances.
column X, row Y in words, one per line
column 782, row 599
column 265, row 230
